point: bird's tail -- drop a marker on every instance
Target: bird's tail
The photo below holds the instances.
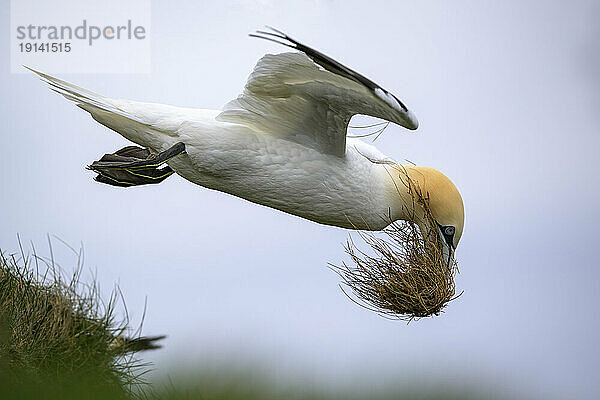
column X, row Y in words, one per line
column 131, row 166
column 133, row 120
column 84, row 98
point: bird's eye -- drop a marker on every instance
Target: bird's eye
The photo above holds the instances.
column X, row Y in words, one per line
column 448, row 230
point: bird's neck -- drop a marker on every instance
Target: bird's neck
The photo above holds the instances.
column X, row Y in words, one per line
column 406, row 187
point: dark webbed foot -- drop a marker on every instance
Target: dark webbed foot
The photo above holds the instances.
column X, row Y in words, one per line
column 134, row 166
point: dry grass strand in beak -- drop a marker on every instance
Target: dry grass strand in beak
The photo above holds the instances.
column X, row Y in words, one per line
column 405, row 275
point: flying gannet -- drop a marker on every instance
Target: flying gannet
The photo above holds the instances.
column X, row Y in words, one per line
column 282, row 143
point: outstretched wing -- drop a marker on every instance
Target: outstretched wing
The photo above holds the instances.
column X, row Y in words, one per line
column 289, row 96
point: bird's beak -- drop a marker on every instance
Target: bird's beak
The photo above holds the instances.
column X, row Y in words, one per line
column 447, row 253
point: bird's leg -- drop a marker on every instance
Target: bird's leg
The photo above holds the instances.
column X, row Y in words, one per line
column 134, row 166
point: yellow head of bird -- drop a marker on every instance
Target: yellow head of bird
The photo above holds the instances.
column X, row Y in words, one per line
column 443, row 200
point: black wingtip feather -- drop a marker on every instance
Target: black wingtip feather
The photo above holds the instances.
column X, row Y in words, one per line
column 261, row 35
column 324, row 61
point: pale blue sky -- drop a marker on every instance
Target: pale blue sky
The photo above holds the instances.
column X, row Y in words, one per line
column 507, row 96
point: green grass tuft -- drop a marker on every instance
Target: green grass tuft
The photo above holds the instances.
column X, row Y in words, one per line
column 57, row 334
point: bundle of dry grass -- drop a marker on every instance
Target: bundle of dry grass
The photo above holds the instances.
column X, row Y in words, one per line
column 405, row 275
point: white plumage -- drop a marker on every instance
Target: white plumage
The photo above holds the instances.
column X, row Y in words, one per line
column 282, row 143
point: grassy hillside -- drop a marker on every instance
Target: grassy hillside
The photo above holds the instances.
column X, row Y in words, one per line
column 57, row 334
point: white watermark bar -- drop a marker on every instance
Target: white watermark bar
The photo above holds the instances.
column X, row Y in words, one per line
column 80, row 36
